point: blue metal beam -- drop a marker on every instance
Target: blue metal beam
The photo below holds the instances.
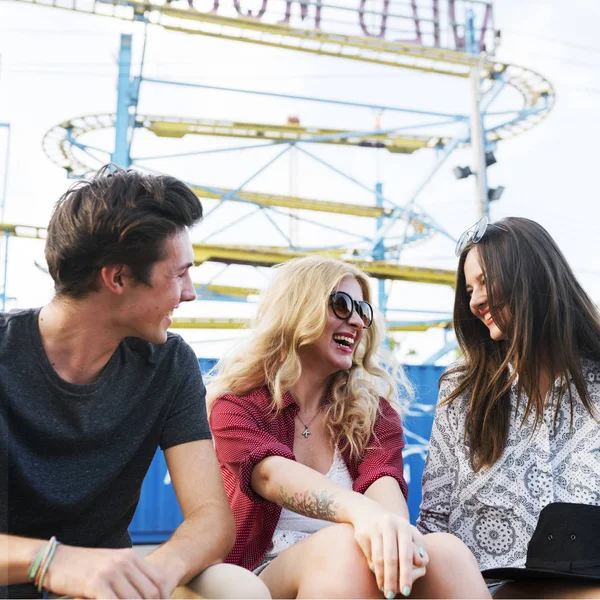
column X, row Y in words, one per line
column 312, row 99
column 382, row 231
column 232, row 193
column 494, row 92
column 231, row 224
column 212, row 151
column 120, row 156
column 345, row 175
column 363, row 238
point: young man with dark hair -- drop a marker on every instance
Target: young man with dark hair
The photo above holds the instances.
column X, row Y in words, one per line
column 90, row 386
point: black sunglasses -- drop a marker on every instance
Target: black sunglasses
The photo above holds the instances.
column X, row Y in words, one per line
column 342, row 305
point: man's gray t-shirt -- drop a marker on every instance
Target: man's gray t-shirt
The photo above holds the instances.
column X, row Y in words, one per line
column 73, row 457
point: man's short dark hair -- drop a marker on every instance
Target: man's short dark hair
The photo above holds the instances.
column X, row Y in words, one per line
column 117, row 217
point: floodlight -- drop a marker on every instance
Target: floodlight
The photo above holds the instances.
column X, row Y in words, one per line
column 462, row 172
column 490, row 159
column 495, row 193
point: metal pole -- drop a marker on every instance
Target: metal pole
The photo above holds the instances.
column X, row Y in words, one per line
column 382, row 230
column 121, row 154
column 477, row 131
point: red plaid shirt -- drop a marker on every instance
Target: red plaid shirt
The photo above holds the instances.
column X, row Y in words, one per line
column 246, row 429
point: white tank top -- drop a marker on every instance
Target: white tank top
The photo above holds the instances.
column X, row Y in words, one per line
column 293, row 527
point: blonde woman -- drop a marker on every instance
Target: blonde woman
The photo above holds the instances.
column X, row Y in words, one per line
column 310, row 445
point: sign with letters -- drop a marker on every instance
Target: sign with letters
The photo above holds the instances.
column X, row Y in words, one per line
column 428, row 23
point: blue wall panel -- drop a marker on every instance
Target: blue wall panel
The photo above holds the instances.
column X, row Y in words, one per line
column 417, row 424
column 158, row 513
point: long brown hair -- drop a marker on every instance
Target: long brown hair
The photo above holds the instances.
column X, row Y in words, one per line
column 549, row 325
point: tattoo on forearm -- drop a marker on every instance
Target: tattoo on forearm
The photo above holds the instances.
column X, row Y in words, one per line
column 311, row 504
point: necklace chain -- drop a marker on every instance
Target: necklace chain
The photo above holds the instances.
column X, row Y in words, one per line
column 306, row 431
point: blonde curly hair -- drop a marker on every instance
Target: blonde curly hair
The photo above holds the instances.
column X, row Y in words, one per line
column 293, row 313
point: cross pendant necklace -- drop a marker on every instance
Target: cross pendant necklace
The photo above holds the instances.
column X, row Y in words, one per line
column 306, row 431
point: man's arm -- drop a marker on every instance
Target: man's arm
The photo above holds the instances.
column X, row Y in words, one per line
column 16, row 556
column 207, row 533
column 82, row 572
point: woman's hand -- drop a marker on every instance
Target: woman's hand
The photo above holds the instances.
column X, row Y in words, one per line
column 393, row 548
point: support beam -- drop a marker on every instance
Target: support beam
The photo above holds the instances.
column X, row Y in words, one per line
column 407, row 210
column 227, row 290
column 393, row 141
column 121, row 156
column 267, row 256
column 477, row 130
column 208, row 323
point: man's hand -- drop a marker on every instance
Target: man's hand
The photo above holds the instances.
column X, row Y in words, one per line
column 101, row 573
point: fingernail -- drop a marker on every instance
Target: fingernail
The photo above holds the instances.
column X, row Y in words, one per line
column 421, row 550
column 406, row 591
column 390, row 595
column 372, row 567
column 383, row 591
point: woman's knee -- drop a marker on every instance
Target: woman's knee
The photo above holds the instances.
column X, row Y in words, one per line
column 338, row 566
column 448, row 547
column 337, row 547
column 452, row 571
column 228, row 581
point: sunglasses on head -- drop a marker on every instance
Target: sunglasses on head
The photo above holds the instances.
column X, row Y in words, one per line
column 474, row 234
column 343, row 305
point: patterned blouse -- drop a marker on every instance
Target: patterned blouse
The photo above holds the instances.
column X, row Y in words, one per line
column 246, row 430
column 495, row 511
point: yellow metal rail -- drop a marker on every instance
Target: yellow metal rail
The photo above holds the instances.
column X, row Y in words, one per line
column 297, row 203
column 267, row 256
column 57, row 141
column 228, row 290
column 208, row 323
column 29, row 231
column 178, row 128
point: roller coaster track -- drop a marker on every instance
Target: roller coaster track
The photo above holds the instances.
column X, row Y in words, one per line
column 60, row 143
column 200, row 323
column 267, row 256
column 537, row 93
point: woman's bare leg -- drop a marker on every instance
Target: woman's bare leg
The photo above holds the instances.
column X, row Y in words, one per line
column 452, row 571
column 225, row 581
column 327, row 564
column 330, row 564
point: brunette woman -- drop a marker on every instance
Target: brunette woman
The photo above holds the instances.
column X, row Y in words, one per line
column 517, row 426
